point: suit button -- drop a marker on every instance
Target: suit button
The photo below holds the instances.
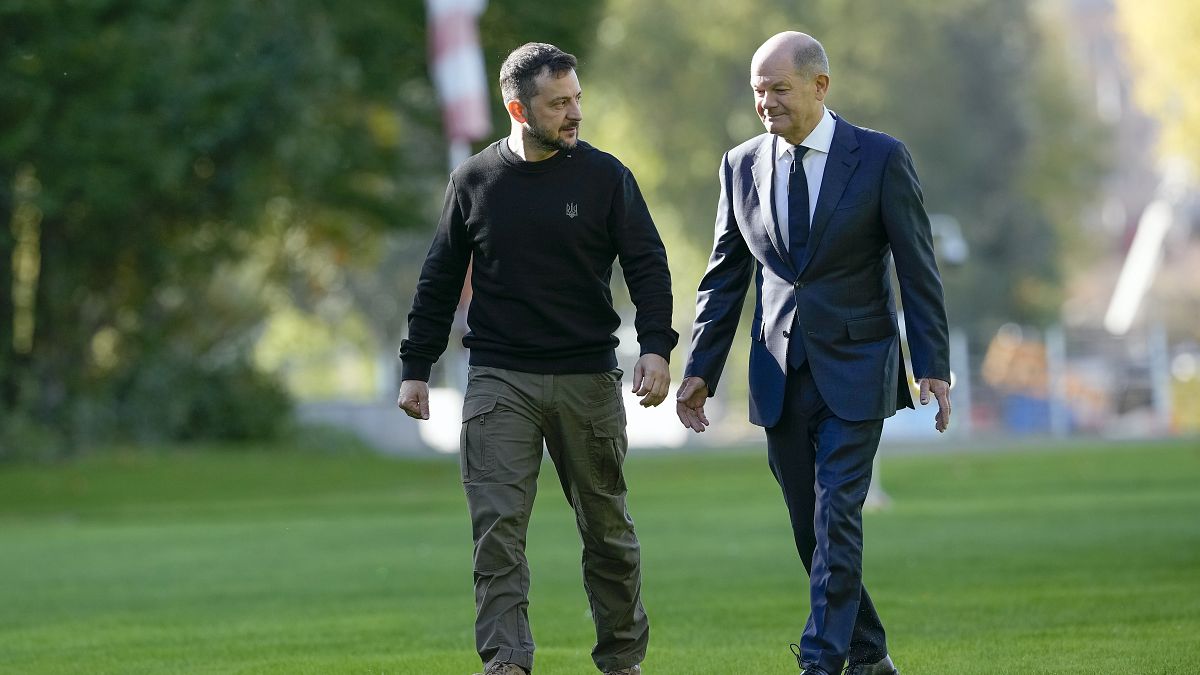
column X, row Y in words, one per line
column 812, row 332
column 787, row 334
column 800, row 284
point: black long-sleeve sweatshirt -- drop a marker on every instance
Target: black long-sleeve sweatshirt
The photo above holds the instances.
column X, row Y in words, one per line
column 543, row 237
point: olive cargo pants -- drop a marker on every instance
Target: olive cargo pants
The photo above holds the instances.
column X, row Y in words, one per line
column 507, row 415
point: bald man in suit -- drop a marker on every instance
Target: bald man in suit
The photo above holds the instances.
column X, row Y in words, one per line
column 813, row 211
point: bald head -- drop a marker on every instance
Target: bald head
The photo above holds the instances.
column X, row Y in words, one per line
column 806, row 55
column 790, row 77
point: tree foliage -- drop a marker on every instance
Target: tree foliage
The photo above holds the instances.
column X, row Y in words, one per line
column 973, row 88
column 1164, row 46
column 168, row 171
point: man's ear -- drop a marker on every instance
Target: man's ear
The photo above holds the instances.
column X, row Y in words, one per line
column 822, row 82
column 516, row 110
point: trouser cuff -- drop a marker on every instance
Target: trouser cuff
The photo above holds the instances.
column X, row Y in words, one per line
column 508, row 655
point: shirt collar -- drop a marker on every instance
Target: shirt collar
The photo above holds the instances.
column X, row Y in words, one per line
column 820, row 138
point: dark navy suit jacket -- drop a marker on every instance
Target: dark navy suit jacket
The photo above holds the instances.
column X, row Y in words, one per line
column 840, row 298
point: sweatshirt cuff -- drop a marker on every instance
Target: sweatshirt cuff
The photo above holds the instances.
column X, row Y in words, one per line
column 657, row 344
column 415, row 369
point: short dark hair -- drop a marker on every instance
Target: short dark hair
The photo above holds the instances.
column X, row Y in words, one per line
column 525, row 63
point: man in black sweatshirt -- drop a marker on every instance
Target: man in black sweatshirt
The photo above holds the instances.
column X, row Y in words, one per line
column 541, row 216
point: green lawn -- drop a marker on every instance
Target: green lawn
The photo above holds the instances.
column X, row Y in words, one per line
column 1083, row 560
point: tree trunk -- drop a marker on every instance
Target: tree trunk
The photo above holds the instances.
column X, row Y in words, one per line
column 8, row 375
column 58, row 359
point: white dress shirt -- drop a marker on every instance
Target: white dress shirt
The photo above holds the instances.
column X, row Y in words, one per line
column 818, row 142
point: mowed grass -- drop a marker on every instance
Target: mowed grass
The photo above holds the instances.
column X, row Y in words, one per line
column 1085, row 560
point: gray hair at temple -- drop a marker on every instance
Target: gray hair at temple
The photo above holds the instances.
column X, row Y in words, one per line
column 810, row 58
column 525, row 63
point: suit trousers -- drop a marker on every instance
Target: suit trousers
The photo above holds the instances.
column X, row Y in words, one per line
column 823, row 464
column 507, row 416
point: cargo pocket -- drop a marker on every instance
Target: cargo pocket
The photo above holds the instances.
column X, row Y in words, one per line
column 606, row 387
column 476, row 455
column 606, row 453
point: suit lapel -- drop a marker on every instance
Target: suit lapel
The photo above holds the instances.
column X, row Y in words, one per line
column 764, row 181
column 839, row 166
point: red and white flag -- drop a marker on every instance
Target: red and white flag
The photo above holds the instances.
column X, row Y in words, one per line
column 456, row 61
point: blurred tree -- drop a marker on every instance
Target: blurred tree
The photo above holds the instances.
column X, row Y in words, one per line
column 975, row 89
column 169, row 172
column 146, row 138
column 1164, row 44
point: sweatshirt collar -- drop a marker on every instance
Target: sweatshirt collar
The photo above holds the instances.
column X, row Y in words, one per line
column 510, row 158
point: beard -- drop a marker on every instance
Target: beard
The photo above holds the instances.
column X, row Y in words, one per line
column 546, row 139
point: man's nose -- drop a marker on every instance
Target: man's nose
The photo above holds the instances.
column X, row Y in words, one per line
column 574, row 112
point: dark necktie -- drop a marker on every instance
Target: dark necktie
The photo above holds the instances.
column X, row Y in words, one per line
column 798, row 207
column 798, row 242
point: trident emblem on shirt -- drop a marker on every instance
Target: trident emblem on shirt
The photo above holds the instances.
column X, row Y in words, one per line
column 572, row 209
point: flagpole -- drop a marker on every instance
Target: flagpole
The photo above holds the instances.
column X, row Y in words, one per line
column 459, row 150
column 457, row 69
column 456, row 66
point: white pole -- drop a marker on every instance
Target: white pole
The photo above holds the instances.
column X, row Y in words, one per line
column 1160, row 375
column 1056, row 381
column 877, row 499
column 1141, row 265
column 460, row 150
column 960, row 376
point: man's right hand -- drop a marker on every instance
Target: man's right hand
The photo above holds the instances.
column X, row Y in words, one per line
column 689, row 403
column 414, row 399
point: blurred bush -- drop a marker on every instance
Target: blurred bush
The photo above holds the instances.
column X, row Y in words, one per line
column 167, row 399
column 178, row 399
column 23, row 439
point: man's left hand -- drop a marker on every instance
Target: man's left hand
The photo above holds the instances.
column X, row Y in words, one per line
column 651, row 379
column 941, row 391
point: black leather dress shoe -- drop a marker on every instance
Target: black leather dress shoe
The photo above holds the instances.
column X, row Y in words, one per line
column 882, row 667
